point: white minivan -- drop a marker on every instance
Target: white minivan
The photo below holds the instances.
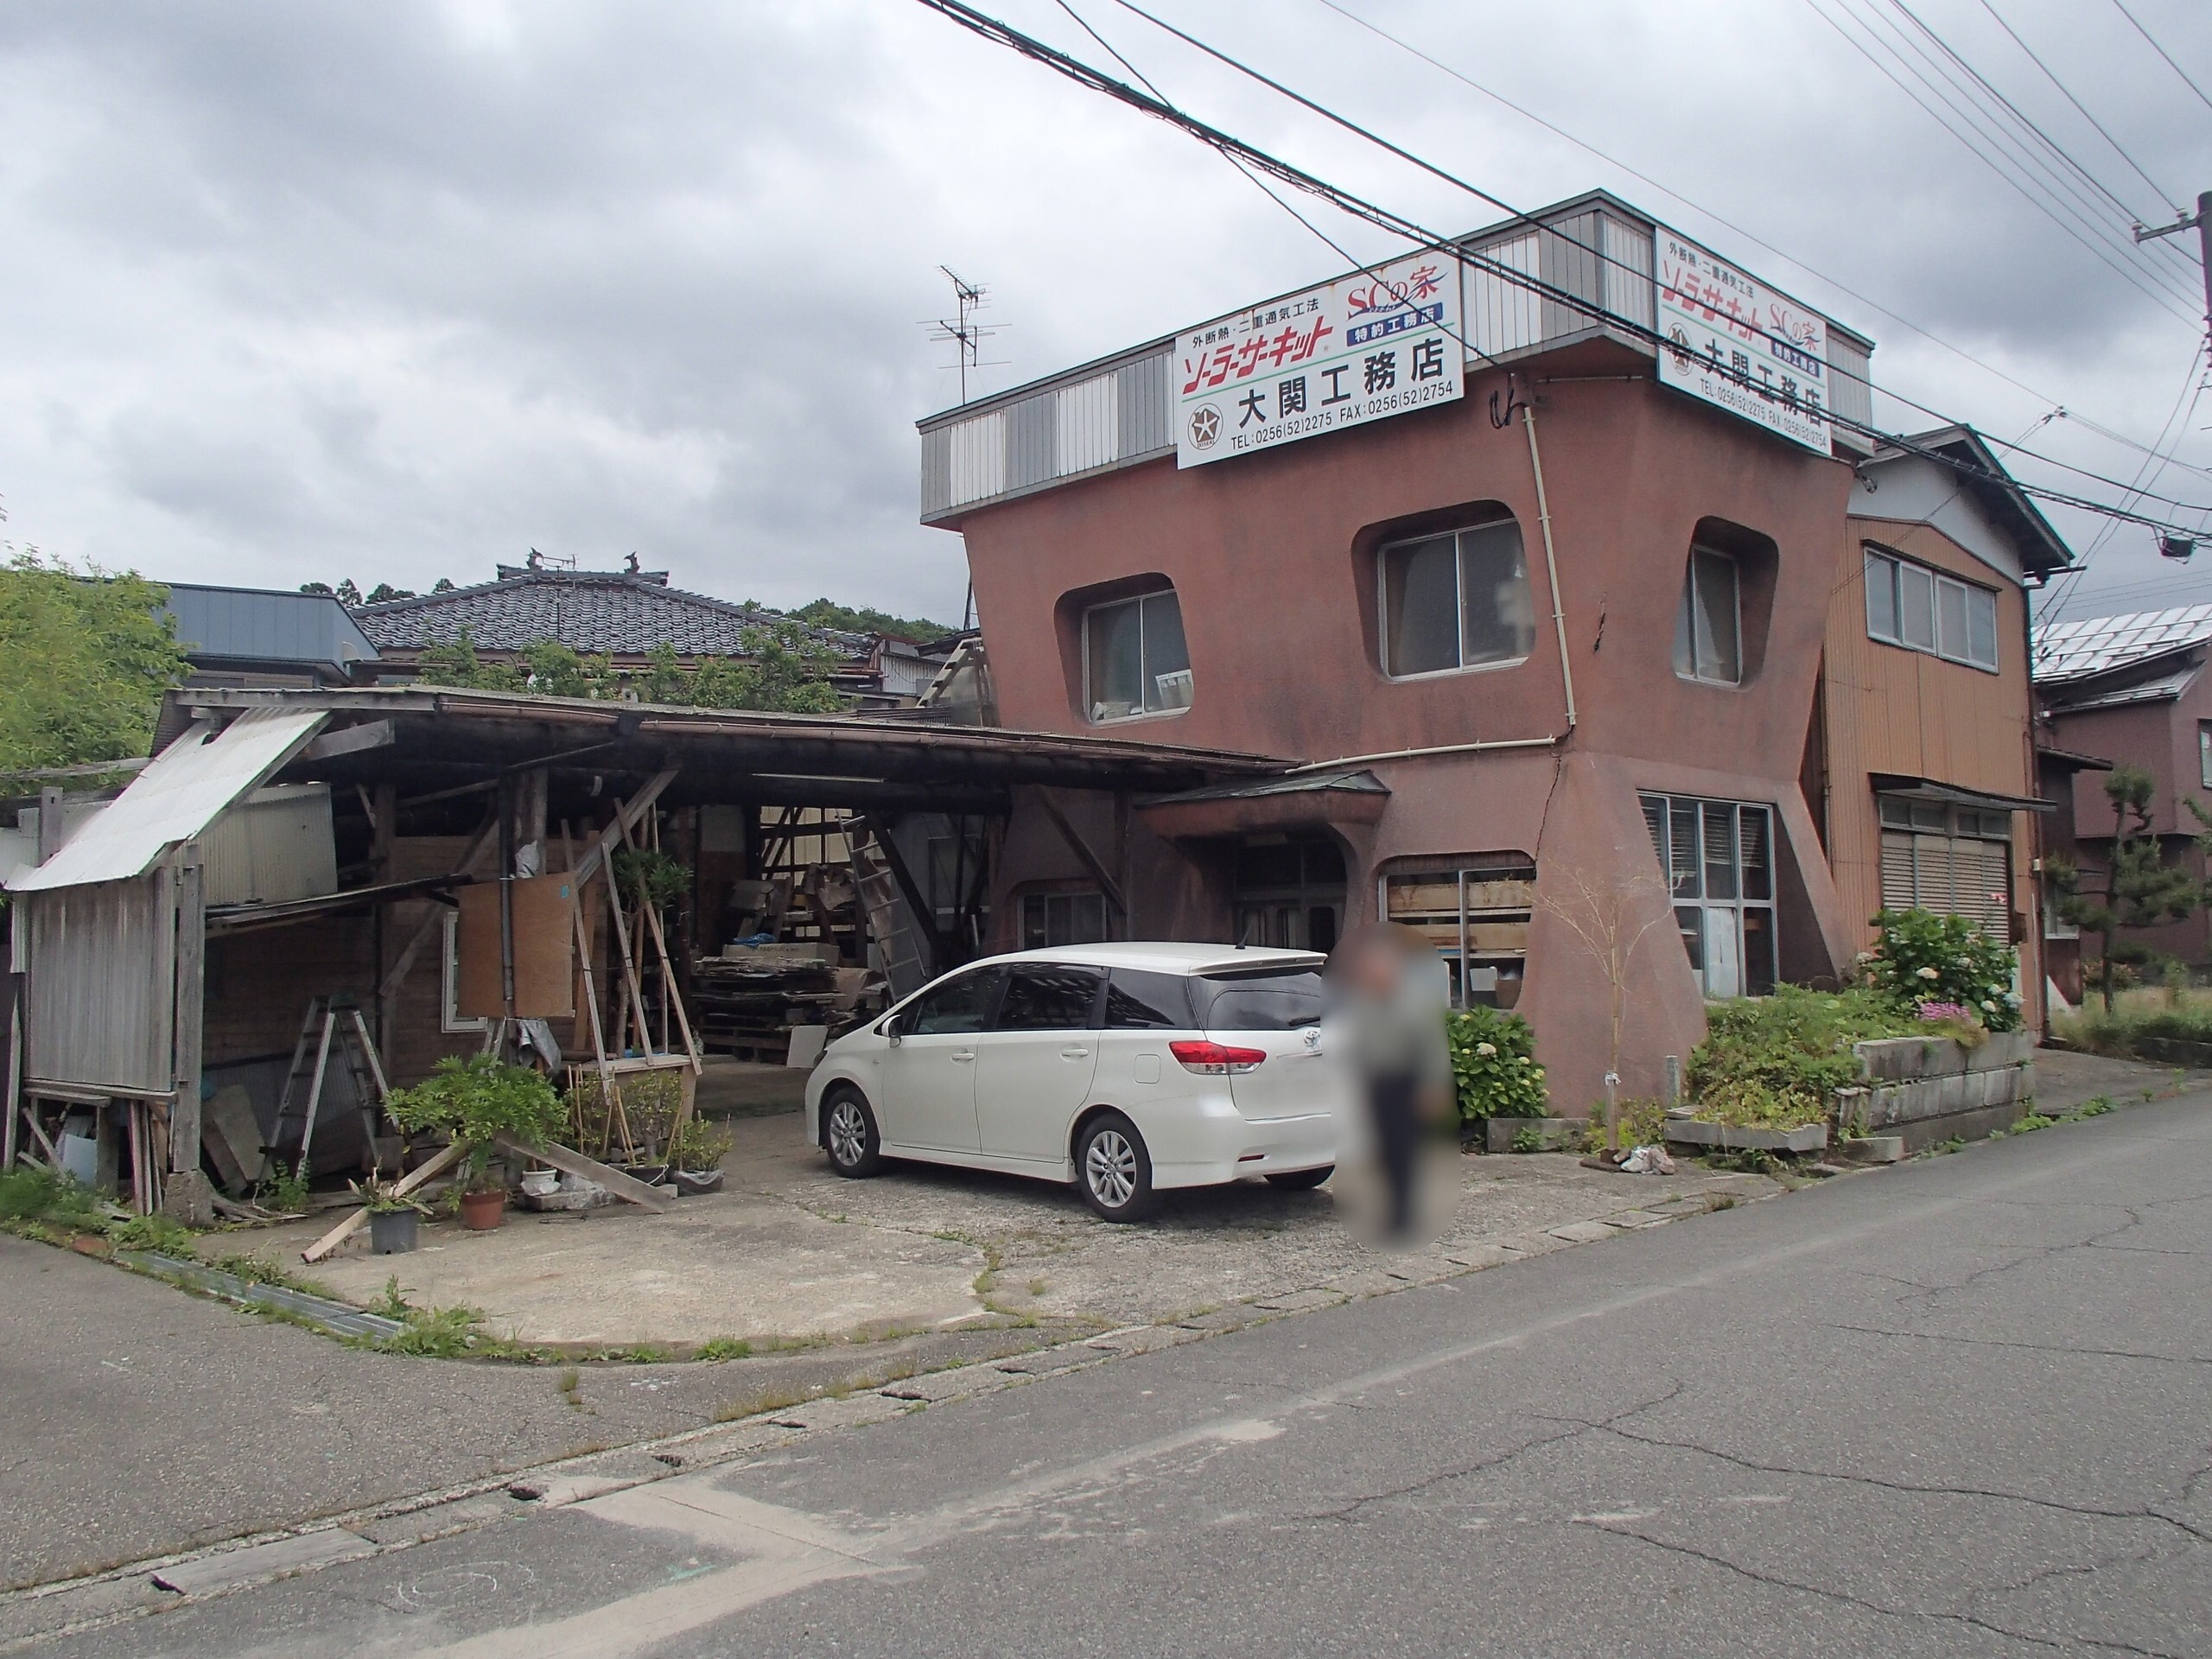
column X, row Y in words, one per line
column 1123, row 1068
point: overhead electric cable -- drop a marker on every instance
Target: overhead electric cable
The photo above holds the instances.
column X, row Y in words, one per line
column 1000, row 33
column 2188, row 79
column 2071, row 221
column 1519, row 216
column 1959, row 352
column 2117, row 148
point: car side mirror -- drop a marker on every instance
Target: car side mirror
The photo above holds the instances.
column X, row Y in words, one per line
column 893, row 1037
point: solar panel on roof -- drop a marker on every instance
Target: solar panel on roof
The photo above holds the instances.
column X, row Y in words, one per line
column 2093, row 644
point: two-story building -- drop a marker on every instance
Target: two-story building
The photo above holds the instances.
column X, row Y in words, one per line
column 1601, row 667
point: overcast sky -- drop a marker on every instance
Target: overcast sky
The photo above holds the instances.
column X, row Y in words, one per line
column 396, row 291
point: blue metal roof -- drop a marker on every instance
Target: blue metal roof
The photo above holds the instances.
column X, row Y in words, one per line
column 257, row 625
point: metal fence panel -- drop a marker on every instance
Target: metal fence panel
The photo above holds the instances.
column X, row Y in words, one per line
column 100, row 990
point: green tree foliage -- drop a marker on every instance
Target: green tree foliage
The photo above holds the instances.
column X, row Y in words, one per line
column 2140, row 888
column 823, row 614
column 477, row 1099
column 349, row 594
column 85, row 657
column 784, row 671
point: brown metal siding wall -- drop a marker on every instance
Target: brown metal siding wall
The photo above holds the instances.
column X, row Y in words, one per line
column 101, row 1000
column 1889, row 709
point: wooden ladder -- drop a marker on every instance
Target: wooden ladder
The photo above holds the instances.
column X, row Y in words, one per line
column 902, row 961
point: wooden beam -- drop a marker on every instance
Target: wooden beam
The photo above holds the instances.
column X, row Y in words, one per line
column 626, row 814
column 191, row 996
column 440, row 1162
column 570, row 1161
column 350, row 739
column 1081, row 848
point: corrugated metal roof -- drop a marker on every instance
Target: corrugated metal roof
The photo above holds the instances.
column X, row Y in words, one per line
column 2163, row 688
column 2066, row 651
column 610, row 611
column 176, row 797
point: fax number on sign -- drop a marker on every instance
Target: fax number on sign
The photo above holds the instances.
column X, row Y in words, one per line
column 1392, row 403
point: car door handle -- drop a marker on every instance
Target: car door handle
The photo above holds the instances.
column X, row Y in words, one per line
column 1074, row 1053
column 961, row 1056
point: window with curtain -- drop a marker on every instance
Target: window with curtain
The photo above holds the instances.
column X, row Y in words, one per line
column 1921, row 609
column 1134, row 660
column 1709, row 643
column 1460, row 599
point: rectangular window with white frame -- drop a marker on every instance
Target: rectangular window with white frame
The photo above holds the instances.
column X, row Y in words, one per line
column 449, row 1016
column 1920, row 609
column 1056, row 918
column 2204, row 755
column 1456, row 600
column 1717, row 859
column 1709, row 624
column 1134, row 660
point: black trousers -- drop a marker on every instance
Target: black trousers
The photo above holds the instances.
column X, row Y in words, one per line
column 1393, row 1103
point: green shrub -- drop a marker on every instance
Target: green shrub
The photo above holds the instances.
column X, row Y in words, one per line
column 477, row 1099
column 33, row 1194
column 1924, row 958
column 162, row 1235
column 1771, row 1062
column 2120, row 1031
column 1494, row 1064
column 1643, row 1123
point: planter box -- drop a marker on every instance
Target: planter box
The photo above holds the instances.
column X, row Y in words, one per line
column 1928, row 1089
column 1556, row 1133
column 1695, row 1132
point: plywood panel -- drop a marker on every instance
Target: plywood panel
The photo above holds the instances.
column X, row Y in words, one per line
column 545, row 949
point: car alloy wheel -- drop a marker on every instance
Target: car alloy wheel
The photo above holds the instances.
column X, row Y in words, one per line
column 1114, row 1170
column 1110, row 1166
column 849, row 1133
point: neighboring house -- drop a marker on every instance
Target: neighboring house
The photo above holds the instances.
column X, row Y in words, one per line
column 1575, row 653
column 625, row 615
column 246, row 636
column 1923, row 775
column 2132, row 690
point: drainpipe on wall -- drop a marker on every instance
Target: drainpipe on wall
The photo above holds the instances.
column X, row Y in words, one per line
column 1551, row 560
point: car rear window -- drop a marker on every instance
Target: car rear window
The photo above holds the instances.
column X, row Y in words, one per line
column 1283, row 1001
column 1136, row 1000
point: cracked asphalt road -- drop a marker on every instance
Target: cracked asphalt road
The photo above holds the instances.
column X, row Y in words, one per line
column 1962, row 1407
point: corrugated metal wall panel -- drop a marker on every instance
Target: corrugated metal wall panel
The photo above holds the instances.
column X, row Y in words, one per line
column 272, row 847
column 1503, row 316
column 978, row 458
column 1032, row 441
column 1629, row 271
column 1090, row 423
column 100, row 998
column 937, row 472
column 1145, row 412
column 1569, row 261
column 1850, row 393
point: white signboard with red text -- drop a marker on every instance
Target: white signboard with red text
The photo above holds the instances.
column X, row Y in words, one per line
column 1382, row 343
column 1735, row 342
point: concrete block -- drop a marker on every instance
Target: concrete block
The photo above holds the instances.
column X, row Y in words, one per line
column 1582, row 1232
column 189, row 1197
column 1691, row 1132
column 1953, row 1097
column 231, row 1569
column 2004, row 1048
column 1555, row 1134
column 1874, row 1149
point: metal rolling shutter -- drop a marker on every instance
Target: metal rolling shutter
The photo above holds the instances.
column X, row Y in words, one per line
column 1951, row 877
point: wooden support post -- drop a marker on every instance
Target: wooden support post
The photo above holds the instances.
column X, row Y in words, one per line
column 1081, row 848
column 570, row 1161
column 50, row 828
column 191, row 1004
column 667, row 978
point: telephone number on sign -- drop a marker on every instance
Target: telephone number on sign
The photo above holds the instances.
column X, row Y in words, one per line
column 1301, row 426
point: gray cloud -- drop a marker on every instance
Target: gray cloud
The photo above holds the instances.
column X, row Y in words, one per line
column 398, row 291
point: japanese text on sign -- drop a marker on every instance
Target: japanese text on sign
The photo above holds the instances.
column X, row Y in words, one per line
column 1736, row 343
column 1382, row 342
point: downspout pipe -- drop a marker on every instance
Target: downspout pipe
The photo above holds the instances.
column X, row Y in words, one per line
column 1551, row 560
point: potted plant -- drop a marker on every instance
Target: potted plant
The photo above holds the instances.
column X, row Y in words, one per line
column 394, row 1216
column 475, row 1102
column 695, row 1153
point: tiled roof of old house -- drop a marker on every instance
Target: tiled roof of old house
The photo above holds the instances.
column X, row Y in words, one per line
column 622, row 612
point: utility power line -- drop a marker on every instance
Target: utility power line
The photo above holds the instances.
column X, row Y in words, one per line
column 2187, row 80
column 1959, row 352
column 1001, row 33
column 1517, row 215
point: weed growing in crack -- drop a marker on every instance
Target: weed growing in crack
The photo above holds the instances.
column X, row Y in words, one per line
column 721, row 1348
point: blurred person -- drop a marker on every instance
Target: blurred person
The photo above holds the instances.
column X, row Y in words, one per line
column 1389, row 995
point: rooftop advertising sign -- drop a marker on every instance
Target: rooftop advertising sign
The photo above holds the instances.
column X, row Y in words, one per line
column 1381, row 343
column 1725, row 328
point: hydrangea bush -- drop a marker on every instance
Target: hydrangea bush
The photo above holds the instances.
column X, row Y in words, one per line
column 1494, row 1062
column 1923, row 957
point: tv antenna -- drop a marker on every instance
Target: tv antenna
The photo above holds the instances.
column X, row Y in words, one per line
column 966, row 333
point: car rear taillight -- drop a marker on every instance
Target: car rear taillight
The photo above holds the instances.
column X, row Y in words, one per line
column 1216, row 1060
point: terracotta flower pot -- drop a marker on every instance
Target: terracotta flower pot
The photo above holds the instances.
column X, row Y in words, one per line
column 480, row 1211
